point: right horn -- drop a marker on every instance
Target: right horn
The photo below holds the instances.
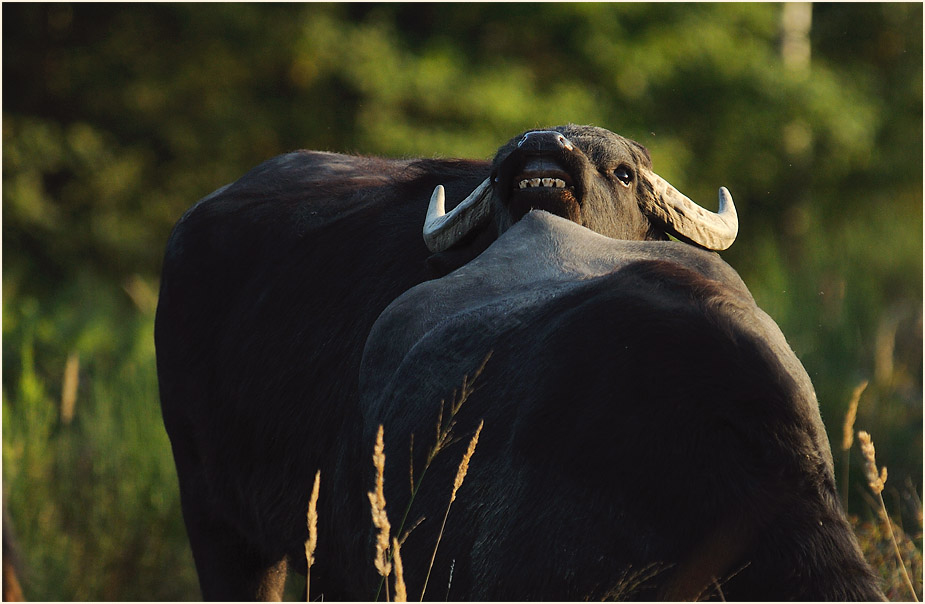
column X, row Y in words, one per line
column 690, row 222
column 442, row 230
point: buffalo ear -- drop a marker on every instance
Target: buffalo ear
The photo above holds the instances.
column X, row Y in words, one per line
column 641, row 153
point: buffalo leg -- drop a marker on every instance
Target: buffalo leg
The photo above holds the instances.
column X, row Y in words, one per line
column 229, row 567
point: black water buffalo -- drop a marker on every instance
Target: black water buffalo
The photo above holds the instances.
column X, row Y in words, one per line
column 270, row 287
column 648, row 433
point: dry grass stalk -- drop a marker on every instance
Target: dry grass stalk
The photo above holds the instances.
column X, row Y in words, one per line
column 401, row 593
column 444, row 434
column 411, row 463
column 449, row 582
column 380, row 519
column 631, row 581
column 443, row 438
column 69, row 387
column 312, row 542
column 404, row 536
column 876, row 481
column 460, row 476
column 12, row 590
column 464, row 464
column 719, row 591
column 848, row 427
column 377, row 501
column 848, row 437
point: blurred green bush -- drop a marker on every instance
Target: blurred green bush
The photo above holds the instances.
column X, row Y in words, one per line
column 116, row 118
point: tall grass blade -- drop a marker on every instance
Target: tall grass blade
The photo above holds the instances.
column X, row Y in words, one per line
column 460, row 476
column 380, row 519
column 848, row 437
column 69, row 387
column 312, row 541
column 401, row 593
column 876, row 480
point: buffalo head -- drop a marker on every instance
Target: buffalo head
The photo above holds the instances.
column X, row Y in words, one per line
column 590, row 176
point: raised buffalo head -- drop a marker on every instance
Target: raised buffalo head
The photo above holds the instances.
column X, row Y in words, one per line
column 586, row 174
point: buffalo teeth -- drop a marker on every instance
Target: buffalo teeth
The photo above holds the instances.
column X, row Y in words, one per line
column 554, row 183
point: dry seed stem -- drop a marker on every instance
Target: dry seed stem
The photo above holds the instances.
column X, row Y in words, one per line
column 401, row 593
column 411, row 463
column 312, row 542
column 377, row 507
column 405, row 535
column 848, row 427
column 69, row 387
column 443, row 438
column 460, row 476
column 464, row 464
column 848, row 438
column 876, row 481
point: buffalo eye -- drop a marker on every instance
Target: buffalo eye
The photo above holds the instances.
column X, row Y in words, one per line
column 624, row 174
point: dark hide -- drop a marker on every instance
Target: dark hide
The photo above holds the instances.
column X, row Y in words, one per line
column 269, row 289
column 648, row 433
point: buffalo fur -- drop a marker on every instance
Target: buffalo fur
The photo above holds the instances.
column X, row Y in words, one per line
column 647, row 431
column 270, row 288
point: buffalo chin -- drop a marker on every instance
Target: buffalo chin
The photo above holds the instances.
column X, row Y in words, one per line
column 561, row 202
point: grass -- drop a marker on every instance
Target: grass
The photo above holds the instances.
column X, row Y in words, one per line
column 880, row 552
column 848, row 436
column 876, row 481
column 88, row 476
column 383, row 559
column 443, row 438
column 874, row 536
column 311, row 520
column 457, row 482
column 91, row 490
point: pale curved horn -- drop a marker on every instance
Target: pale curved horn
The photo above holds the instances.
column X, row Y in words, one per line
column 690, row 222
column 442, row 230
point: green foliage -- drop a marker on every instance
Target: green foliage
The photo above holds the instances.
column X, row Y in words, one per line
column 94, row 501
column 118, row 117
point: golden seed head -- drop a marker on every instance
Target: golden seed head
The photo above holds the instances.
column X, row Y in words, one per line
column 379, row 463
column 848, row 427
column 401, row 593
column 875, row 479
column 312, row 521
column 464, row 464
column 377, row 508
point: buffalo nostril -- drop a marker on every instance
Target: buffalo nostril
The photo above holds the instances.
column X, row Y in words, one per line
column 543, row 139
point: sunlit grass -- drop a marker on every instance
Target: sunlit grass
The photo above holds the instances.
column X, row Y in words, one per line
column 91, row 487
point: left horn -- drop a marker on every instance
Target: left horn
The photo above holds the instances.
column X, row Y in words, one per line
column 689, row 221
column 442, row 230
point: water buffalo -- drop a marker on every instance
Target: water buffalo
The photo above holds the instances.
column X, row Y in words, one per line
column 648, row 433
column 270, row 287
